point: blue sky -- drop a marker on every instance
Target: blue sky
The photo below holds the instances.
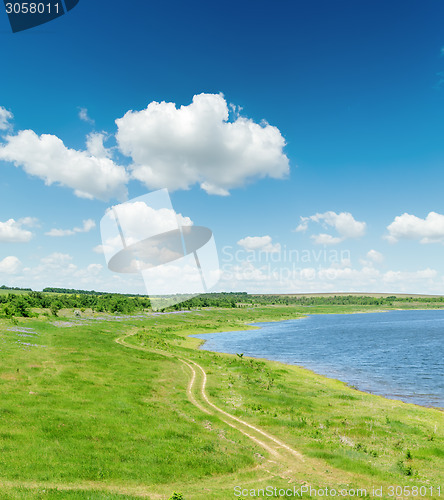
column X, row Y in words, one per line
column 355, row 89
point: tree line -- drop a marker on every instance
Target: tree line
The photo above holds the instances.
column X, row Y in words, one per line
column 24, row 305
column 54, row 299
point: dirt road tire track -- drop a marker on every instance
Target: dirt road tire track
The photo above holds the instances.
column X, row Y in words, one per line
column 274, row 446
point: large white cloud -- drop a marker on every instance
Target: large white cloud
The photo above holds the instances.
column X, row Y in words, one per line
column 344, row 223
column 179, row 147
column 407, row 226
column 49, row 159
column 12, row 230
column 168, row 147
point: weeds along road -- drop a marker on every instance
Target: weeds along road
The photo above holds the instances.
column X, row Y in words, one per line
column 196, row 389
column 284, row 461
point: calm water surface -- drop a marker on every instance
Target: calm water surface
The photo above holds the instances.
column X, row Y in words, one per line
column 397, row 354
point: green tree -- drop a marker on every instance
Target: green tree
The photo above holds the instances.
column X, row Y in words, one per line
column 55, row 307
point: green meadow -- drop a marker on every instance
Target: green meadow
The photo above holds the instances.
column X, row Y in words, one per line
column 82, row 416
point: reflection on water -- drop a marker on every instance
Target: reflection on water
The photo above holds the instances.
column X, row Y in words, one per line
column 397, row 354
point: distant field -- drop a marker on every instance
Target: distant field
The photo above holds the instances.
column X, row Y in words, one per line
column 333, row 294
column 355, row 294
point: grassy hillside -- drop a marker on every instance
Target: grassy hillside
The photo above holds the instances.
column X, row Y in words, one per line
column 84, row 417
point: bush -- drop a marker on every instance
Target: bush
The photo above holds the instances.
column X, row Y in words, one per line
column 407, row 470
column 176, row 496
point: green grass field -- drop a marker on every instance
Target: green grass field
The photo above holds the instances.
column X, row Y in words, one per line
column 84, row 417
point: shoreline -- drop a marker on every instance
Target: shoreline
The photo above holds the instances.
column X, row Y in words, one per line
column 253, row 326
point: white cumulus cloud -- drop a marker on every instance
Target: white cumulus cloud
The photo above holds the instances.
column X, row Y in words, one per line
column 407, row 226
column 179, row 147
column 375, row 256
column 95, row 145
column 12, row 230
column 344, row 223
column 10, row 265
column 87, row 226
column 372, row 257
column 261, row 243
column 94, row 268
column 58, row 260
column 49, row 159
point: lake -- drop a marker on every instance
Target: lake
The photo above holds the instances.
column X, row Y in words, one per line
column 396, row 354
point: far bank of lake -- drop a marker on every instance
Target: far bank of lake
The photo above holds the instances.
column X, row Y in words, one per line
column 396, row 354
